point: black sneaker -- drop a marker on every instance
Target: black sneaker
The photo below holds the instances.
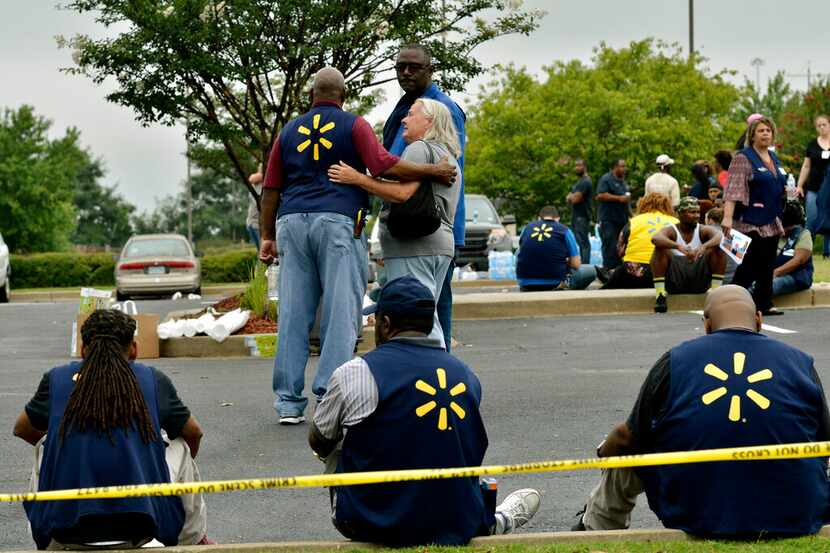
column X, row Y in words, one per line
column 580, row 525
column 603, row 274
column 661, row 305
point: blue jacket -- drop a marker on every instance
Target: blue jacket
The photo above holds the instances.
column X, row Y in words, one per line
column 544, row 249
column 309, row 145
column 766, row 191
column 88, row 460
column 736, row 388
column 396, row 145
column 427, row 417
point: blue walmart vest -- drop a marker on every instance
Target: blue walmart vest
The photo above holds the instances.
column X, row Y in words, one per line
column 427, row 417
column 736, row 388
column 309, row 145
column 88, row 460
column 543, row 252
column 803, row 276
column 766, row 191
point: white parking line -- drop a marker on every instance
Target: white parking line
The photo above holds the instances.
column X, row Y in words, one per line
column 764, row 326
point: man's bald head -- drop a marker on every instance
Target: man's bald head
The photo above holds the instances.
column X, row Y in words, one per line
column 730, row 306
column 329, row 84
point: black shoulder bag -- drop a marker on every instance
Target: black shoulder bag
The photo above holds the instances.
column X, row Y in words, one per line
column 418, row 216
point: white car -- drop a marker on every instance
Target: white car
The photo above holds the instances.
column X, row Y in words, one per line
column 5, row 272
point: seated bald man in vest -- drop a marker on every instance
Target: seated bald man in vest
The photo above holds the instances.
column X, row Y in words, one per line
column 410, row 405
column 111, row 422
column 322, row 249
column 549, row 257
column 687, row 258
column 733, row 387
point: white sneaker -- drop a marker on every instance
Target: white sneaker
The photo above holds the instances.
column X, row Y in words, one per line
column 518, row 508
column 292, row 419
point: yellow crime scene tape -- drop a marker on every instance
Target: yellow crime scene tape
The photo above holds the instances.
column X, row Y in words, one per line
column 755, row 453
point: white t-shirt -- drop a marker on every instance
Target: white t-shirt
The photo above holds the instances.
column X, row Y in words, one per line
column 665, row 184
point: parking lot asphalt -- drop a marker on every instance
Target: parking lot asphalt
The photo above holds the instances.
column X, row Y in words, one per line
column 552, row 387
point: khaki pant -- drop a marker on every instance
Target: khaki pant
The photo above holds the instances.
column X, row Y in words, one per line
column 182, row 468
column 612, row 500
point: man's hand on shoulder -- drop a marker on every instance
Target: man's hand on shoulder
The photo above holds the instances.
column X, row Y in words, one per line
column 445, row 171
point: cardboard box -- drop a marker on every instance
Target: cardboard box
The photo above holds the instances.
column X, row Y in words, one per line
column 146, row 336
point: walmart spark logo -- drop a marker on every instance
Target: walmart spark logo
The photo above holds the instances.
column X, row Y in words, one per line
column 541, row 233
column 456, row 390
column 320, row 130
column 738, row 360
column 653, row 225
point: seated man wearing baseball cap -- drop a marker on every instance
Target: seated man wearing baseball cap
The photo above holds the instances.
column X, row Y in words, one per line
column 687, row 258
column 409, row 404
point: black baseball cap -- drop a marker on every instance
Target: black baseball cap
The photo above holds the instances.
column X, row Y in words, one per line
column 404, row 296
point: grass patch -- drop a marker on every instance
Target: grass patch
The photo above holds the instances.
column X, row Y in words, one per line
column 821, row 268
column 810, row 543
column 255, row 296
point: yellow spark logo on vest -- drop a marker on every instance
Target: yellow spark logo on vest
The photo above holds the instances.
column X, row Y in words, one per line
column 541, row 233
column 320, row 130
column 656, row 224
column 738, row 360
column 456, row 390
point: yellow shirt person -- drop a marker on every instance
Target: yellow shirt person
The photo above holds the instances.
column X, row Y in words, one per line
column 643, row 227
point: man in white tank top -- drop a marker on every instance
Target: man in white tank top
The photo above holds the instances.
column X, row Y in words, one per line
column 687, row 257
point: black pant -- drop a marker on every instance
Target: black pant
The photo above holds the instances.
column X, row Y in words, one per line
column 581, row 228
column 757, row 267
column 609, row 232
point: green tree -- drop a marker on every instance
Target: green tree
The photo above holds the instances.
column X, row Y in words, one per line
column 771, row 103
column 238, row 70
column 797, row 124
column 103, row 216
column 634, row 103
column 37, row 182
column 219, row 207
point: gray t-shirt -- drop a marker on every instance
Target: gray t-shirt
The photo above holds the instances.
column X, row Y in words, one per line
column 252, row 220
column 441, row 241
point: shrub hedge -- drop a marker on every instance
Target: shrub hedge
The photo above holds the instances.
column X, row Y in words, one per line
column 71, row 269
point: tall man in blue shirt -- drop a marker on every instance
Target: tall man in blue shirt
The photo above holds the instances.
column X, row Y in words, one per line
column 322, row 249
column 414, row 69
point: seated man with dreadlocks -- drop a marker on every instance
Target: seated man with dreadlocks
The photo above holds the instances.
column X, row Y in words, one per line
column 106, row 417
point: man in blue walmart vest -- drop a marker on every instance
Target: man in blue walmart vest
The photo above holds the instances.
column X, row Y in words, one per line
column 410, row 405
column 322, row 249
column 732, row 387
column 413, row 68
column 549, row 257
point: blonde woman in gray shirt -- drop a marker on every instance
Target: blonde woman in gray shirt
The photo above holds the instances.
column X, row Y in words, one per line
column 428, row 125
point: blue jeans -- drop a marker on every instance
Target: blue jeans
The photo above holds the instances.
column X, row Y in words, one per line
column 581, row 228
column 577, row 279
column 321, row 263
column 444, row 306
column 811, row 205
column 253, row 233
column 785, row 284
column 431, row 271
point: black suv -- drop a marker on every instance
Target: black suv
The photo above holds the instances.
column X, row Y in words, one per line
column 483, row 233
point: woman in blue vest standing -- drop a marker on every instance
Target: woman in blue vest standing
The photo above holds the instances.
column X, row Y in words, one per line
column 430, row 135
column 753, row 203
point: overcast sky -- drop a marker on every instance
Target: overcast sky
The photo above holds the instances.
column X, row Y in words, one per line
column 147, row 163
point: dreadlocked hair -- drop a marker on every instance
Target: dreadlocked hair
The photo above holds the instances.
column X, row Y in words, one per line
column 107, row 395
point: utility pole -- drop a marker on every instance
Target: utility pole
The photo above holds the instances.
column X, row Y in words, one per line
column 757, row 63
column 189, row 187
column 809, row 75
column 691, row 29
